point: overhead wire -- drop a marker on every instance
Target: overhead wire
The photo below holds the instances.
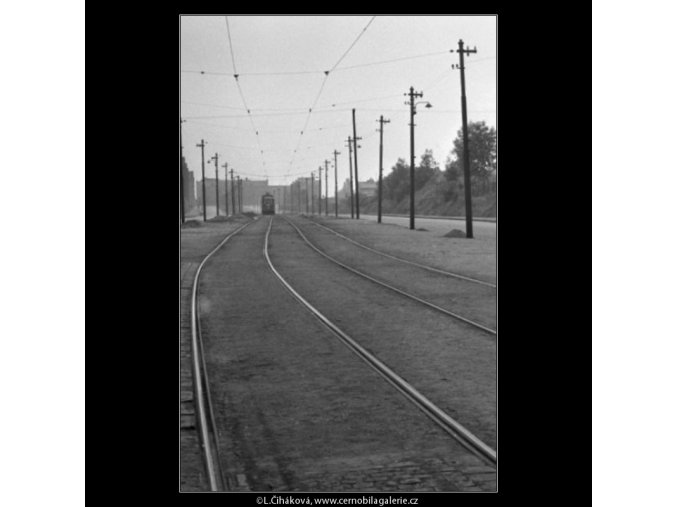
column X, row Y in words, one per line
column 210, row 105
column 230, row 45
column 324, row 81
column 241, row 115
column 476, row 60
column 302, row 72
column 298, row 111
column 206, row 72
column 366, row 100
column 237, row 81
column 215, row 125
column 439, row 79
column 310, row 111
column 381, row 62
column 289, row 73
column 265, row 130
column 263, row 175
column 353, row 44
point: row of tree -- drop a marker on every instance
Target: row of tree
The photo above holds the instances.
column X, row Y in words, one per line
column 440, row 191
column 482, row 142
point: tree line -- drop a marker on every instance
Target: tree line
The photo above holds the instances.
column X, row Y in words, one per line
column 442, row 189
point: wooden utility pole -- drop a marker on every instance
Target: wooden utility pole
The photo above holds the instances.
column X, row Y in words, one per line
column 326, row 187
column 380, row 168
column 336, row 183
column 215, row 158
column 312, row 193
column 357, row 179
column 239, row 194
column 412, row 105
column 319, row 197
column 232, row 190
column 466, row 155
column 204, row 197
column 225, row 186
column 350, row 160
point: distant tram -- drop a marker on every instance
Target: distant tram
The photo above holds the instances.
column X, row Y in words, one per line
column 267, row 204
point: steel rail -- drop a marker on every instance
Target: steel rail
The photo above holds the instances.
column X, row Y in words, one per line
column 447, row 423
column 202, row 396
column 423, row 266
column 395, row 289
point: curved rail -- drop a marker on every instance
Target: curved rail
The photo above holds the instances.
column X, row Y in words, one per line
column 202, row 397
column 423, row 266
column 394, row 289
column 448, row 424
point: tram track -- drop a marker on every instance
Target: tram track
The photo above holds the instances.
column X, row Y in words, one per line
column 203, row 403
column 222, row 479
column 452, row 427
column 406, row 261
column 397, row 290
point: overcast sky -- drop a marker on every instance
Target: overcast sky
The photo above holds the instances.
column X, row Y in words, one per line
column 281, row 62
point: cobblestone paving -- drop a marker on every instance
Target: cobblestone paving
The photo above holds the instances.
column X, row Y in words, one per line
column 415, row 474
column 192, row 466
column 449, row 362
column 195, row 244
column 472, row 301
column 475, row 258
column 295, row 409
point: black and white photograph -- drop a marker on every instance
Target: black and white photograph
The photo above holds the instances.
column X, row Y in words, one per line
column 338, row 232
column 338, row 254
